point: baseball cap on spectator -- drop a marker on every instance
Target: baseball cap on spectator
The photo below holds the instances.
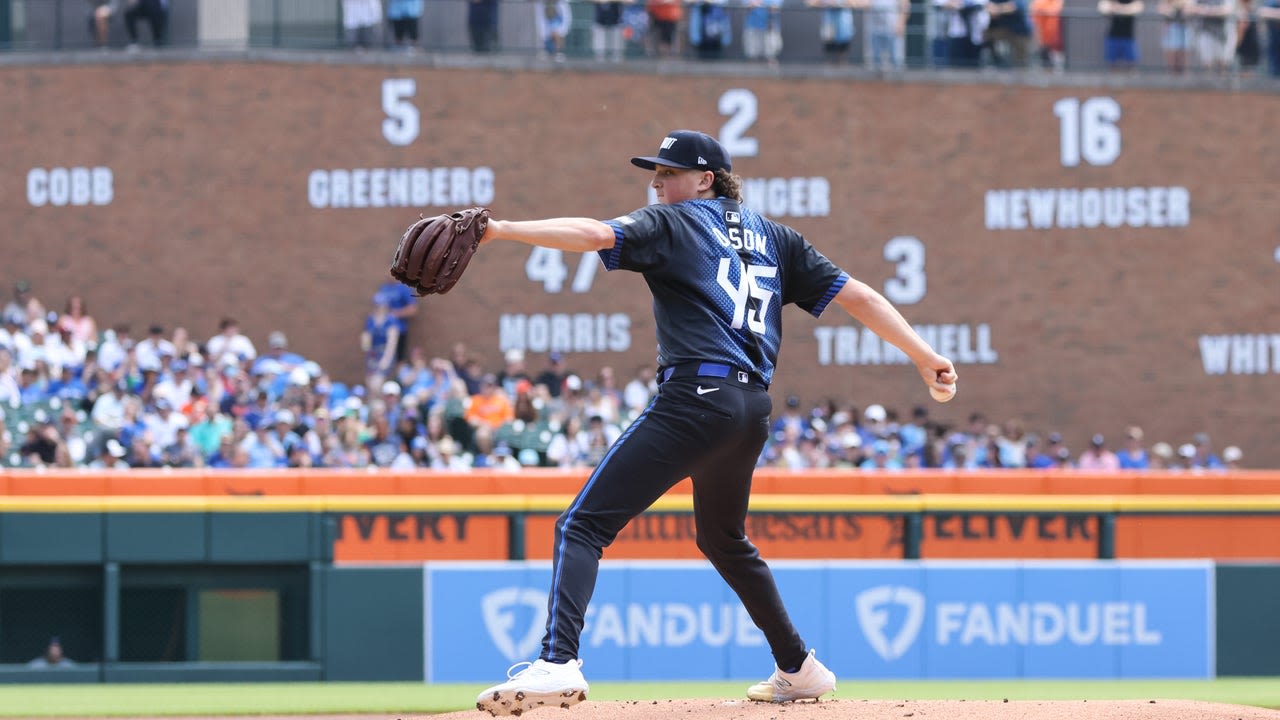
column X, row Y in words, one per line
column 515, row 355
column 573, row 382
column 391, row 387
column 1187, row 450
column 793, row 401
column 875, row 413
column 489, row 379
column 38, row 326
column 285, row 416
column 178, row 365
column 1163, row 450
column 299, row 376
column 1201, row 438
column 1098, row 440
column 1134, row 432
column 115, row 449
column 528, row 457
column 1055, row 438
column 1231, row 453
column 688, row 150
column 268, row 366
column 277, row 339
column 555, row 356
column 1063, row 454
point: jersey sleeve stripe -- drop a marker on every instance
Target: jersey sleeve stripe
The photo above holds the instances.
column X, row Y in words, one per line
column 612, row 257
column 830, row 295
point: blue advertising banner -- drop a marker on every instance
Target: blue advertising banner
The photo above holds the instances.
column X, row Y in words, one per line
column 652, row 620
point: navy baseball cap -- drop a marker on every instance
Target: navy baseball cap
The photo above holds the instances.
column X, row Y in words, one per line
column 688, row 150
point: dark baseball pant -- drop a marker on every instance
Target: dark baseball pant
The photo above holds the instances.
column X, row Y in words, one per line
column 714, row 437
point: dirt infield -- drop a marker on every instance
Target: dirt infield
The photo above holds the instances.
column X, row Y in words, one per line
column 896, row 710
column 851, row 710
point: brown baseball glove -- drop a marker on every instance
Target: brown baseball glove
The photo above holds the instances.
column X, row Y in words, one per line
column 434, row 251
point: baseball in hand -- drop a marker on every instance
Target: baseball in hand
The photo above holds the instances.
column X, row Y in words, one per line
column 943, row 395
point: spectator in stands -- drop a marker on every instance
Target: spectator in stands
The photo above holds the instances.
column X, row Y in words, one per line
column 553, row 376
column 966, row 24
column 1049, row 457
column 491, row 407
column 1215, row 36
column 379, row 341
column 1133, row 456
column 229, row 343
column 552, row 20
column 10, row 392
column 1161, row 456
column 1231, row 457
column 360, row 18
column 403, row 306
column 208, row 432
column 1009, row 33
column 1011, row 445
column 154, row 346
column 709, row 29
column 76, row 319
column 664, row 22
column 835, row 28
column 1270, row 13
column 53, row 657
column 24, row 307
column 41, row 444
column 100, row 12
column 1046, row 16
column 1174, row 40
column 482, row 24
column 1062, row 459
column 1205, row 457
column 278, row 351
column 639, row 390
column 513, row 371
column 1098, row 456
column 1248, row 44
column 404, row 15
column 1186, row 458
column 1120, row 48
column 155, row 12
column 886, row 31
column 762, row 31
column 606, row 31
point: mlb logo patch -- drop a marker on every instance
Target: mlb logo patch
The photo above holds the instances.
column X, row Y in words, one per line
column 732, row 217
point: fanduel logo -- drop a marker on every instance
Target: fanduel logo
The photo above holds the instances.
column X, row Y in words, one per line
column 499, row 609
column 873, row 607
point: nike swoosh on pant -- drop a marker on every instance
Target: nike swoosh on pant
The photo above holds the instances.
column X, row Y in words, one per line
column 704, row 391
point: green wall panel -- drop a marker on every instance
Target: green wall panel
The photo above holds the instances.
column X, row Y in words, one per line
column 50, row 538
column 157, row 537
column 1248, row 619
column 373, row 623
column 262, row 537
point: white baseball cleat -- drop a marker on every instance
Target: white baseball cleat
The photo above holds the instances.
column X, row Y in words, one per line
column 810, row 682
column 534, row 685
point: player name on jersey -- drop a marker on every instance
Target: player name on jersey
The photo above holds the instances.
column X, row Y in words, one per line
column 400, row 187
column 1113, row 207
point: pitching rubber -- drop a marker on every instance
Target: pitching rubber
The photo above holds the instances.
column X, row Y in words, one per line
column 517, row 702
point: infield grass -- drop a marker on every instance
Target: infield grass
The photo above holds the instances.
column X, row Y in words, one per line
column 309, row 698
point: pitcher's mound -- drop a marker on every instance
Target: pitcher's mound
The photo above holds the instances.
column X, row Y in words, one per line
column 895, row 710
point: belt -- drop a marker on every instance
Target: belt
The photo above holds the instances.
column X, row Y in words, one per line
column 710, row 369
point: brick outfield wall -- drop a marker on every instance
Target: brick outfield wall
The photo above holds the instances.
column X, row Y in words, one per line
column 221, row 180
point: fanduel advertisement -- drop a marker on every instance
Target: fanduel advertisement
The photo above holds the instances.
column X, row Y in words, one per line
column 883, row 620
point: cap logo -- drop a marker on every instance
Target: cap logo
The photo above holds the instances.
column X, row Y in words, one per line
column 667, row 142
column 702, row 160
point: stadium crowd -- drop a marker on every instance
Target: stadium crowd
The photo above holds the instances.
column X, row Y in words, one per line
column 75, row 396
column 1216, row 36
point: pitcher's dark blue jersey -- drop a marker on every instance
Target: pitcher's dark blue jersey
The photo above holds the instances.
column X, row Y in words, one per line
column 703, row 309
